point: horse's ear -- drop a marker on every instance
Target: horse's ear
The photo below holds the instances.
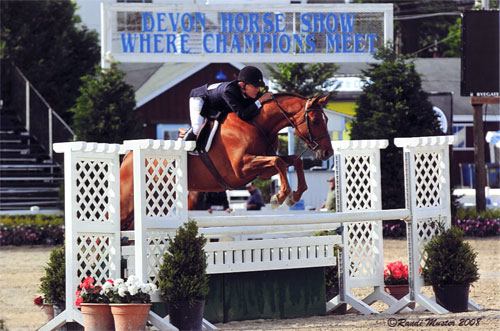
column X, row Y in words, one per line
column 313, row 100
column 323, row 99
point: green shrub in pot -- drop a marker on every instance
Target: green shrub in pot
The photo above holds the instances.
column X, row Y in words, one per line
column 450, row 267
column 183, row 279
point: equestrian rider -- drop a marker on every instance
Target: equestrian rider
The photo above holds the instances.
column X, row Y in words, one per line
column 239, row 96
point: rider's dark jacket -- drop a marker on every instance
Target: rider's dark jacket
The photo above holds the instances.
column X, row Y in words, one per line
column 224, row 98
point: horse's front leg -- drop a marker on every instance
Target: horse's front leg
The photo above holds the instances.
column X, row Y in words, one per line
column 301, row 179
column 266, row 166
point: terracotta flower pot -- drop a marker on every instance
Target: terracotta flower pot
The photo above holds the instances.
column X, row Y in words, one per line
column 399, row 291
column 130, row 316
column 97, row 317
column 48, row 309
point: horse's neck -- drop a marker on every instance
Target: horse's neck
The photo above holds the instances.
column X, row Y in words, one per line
column 273, row 119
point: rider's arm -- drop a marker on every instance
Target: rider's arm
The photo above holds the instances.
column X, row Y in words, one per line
column 234, row 101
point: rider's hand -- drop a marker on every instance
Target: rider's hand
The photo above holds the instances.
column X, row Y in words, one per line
column 266, row 97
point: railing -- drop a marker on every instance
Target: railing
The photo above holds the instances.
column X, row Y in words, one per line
column 37, row 116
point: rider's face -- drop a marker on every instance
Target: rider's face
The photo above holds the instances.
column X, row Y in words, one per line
column 251, row 91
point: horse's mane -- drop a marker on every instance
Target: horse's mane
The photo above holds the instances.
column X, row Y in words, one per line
column 287, row 94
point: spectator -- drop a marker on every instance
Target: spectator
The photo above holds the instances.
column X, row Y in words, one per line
column 255, row 201
column 330, row 203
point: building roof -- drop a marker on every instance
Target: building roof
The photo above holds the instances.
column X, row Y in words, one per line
column 151, row 81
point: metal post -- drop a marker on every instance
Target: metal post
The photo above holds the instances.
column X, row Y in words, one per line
column 480, row 173
column 104, row 35
column 27, row 106
column 51, row 152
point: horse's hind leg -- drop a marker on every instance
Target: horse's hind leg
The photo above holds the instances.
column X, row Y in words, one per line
column 267, row 166
column 301, row 180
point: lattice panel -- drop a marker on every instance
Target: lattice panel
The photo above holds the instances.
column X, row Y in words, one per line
column 426, row 229
column 427, row 179
column 363, row 249
column 157, row 244
column 161, row 182
column 94, row 256
column 358, row 182
column 92, row 190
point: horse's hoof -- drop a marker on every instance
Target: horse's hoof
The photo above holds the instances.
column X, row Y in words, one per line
column 274, row 202
column 290, row 201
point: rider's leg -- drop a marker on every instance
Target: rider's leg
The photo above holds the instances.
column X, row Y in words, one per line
column 197, row 121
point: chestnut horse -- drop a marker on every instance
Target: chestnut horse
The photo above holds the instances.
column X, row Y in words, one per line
column 242, row 151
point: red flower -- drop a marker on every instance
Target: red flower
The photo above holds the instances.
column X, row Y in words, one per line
column 110, row 281
column 396, row 273
column 88, row 283
column 78, row 301
column 38, row 300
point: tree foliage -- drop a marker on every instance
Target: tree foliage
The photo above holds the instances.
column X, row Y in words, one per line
column 305, row 79
column 45, row 40
column 425, row 36
column 183, row 275
column 392, row 105
column 104, row 111
column 453, row 41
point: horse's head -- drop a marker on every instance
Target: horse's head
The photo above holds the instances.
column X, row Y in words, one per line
column 313, row 128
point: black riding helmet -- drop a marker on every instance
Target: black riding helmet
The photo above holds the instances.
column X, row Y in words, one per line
column 251, row 75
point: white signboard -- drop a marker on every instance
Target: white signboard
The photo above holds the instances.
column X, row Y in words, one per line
column 237, row 33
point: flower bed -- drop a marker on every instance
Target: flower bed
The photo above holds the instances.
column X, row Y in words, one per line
column 479, row 227
column 31, row 230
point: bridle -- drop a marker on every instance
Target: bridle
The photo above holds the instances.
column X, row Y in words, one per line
column 310, row 141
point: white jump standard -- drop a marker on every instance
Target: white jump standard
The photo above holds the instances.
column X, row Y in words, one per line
column 93, row 234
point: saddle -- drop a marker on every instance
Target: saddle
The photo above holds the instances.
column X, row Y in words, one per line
column 203, row 144
column 204, row 139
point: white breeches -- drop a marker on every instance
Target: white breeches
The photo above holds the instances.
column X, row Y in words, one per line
column 197, row 121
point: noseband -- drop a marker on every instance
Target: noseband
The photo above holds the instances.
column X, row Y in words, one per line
column 310, row 141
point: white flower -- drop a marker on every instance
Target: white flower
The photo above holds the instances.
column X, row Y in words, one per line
column 118, row 281
column 132, row 280
column 144, row 288
column 107, row 286
column 122, row 291
column 153, row 287
column 133, row 289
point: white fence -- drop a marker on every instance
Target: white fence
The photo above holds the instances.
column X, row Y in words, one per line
column 160, row 192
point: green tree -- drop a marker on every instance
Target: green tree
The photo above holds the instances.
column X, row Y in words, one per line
column 45, row 39
column 305, row 79
column 453, row 41
column 104, row 111
column 422, row 27
column 392, row 105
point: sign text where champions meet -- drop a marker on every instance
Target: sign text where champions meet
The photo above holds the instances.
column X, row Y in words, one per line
column 314, row 33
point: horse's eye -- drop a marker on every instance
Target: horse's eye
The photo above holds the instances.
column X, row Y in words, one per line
column 315, row 120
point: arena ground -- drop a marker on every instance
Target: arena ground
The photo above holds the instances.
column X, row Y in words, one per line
column 22, row 267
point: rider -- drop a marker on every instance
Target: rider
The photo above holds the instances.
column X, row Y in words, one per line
column 239, row 96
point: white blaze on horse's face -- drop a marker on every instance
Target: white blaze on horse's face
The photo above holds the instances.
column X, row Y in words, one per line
column 318, row 128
